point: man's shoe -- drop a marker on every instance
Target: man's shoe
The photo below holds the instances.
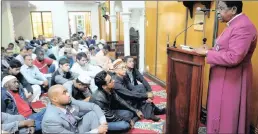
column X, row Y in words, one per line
column 158, row 111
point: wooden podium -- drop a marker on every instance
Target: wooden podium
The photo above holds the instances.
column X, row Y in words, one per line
column 184, row 91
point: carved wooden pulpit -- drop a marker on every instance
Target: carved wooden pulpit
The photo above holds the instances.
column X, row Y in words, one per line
column 185, row 71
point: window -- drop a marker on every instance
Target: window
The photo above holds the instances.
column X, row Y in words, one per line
column 42, row 24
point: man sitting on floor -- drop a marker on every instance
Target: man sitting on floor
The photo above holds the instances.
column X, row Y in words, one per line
column 79, row 89
column 82, row 66
column 17, row 124
column 14, row 101
column 32, row 74
column 143, row 101
column 32, row 92
column 62, row 74
column 66, row 115
column 106, row 98
column 132, row 75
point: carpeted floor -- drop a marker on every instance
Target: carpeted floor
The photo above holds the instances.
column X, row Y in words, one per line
column 143, row 126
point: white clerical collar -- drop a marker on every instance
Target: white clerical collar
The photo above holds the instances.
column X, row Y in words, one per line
column 233, row 19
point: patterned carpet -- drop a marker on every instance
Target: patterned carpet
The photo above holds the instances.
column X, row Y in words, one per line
column 143, row 126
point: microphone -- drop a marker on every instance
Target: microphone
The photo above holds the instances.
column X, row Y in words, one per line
column 204, row 9
column 174, row 44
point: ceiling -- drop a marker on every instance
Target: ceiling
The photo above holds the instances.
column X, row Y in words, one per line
column 20, row 4
column 28, row 4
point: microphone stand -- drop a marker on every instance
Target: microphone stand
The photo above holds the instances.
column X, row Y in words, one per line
column 204, row 28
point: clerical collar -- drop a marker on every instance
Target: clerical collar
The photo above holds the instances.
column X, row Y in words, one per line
column 228, row 23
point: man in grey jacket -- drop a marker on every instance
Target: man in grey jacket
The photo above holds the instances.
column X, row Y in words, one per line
column 67, row 115
column 16, row 123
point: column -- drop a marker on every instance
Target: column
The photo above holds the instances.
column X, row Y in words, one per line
column 113, row 27
column 126, row 19
column 142, row 41
column 112, row 19
column 7, row 24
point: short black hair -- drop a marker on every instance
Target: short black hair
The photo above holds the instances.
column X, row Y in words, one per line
column 14, row 63
column 63, row 61
column 91, row 48
column 95, row 36
column 11, row 44
column 43, row 44
column 106, row 47
column 3, row 49
column 68, row 41
column 80, row 55
column 237, row 4
column 100, row 79
column 26, row 55
column 126, row 58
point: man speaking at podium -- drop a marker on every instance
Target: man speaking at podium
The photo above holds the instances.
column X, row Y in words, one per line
column 231, row 71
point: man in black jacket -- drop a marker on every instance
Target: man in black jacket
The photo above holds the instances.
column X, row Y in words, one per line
column 63, row 73
column 32, row 92
column 106, row 98
column 141, row 100
column 132, row 75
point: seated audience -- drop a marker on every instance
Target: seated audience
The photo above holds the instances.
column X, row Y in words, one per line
column 10, row 49
column 68, row 55
column 133, row 75
column 16, row 124
column 107, row 99
column 32, row 92
column 40, row 40
column 30, row 52
column 135, row 99
column 47, row 51
column 66, row 115
column 4, row 59
column 62, row 74
column 20, row 57
column 79, row 89
column 103, row 60
column 32, row 74
column 14, row 101
column 45, row 65
column 82, row 66
column 93, row 41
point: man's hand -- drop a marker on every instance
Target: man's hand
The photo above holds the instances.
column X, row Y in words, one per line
column 87, row 99
column 201, row 51
column 139, row 114
column 103, row 128
column 150, row 95
column 131, row 123
column 45, row 83
column 149, row 100
column 31, row 130
column 205, row 46
column 27, row 123
column 28, row 95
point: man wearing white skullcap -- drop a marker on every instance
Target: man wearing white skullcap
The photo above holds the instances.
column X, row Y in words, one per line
column 14, row 101
column 79, row 88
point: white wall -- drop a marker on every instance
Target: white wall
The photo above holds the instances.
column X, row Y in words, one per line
column 22, row 22
column 135, row 19
column 7, row 24
column 59, row 10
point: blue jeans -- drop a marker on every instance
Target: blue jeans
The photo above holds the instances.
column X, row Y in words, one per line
column 121, row 125
column 38, row 118
column 51, row 68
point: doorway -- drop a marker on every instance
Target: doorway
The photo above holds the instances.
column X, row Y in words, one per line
column 80, row 22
